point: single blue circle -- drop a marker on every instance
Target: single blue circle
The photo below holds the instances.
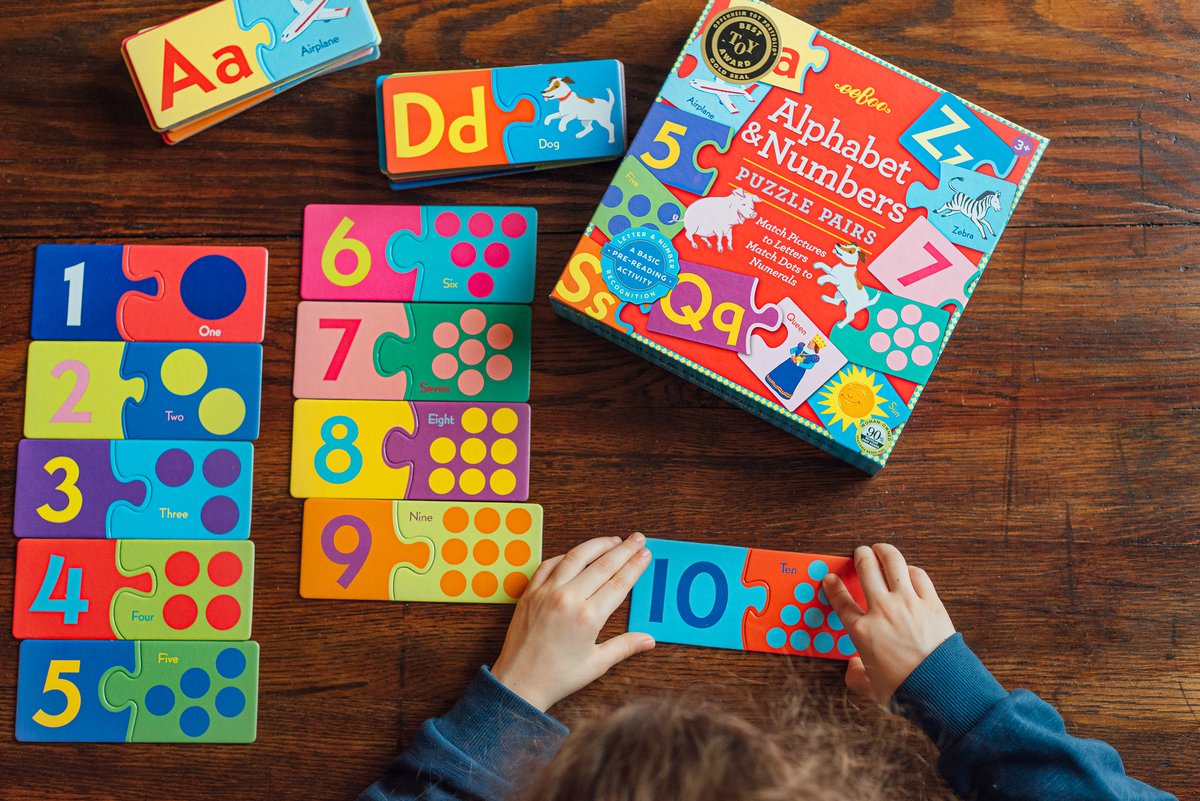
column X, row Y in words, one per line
column 651, row 226
column 776, row 638
column 639, row 205
column 846, row 646
column 822, row 597
column 668, row 214
column 213, row 287
column 823, row 642
column 800, row 640
column 618, row 224
column 612, row 197
column 230, row 702
column 231, row 663
column 817, row 570
column 194, row 721
column 194, row 682
column 160, row 700
column 790, row 615
column 835, row 622
column 804, row 593
column 813, row 617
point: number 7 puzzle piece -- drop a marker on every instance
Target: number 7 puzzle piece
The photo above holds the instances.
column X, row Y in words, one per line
column 149, row 691
column 383, row 351
column 419, row 550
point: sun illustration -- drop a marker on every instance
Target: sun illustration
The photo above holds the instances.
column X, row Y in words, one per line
column 852, row 397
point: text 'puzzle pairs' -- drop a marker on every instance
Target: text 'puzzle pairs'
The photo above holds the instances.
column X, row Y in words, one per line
column 747, row 599
column 419, row 550
column 798, row 231
column 453, row 125
column 139, row 692
column 204, row 67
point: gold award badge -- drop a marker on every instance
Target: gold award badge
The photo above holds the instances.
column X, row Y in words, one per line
column 741, row 45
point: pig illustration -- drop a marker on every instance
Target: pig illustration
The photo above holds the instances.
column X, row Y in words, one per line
column 716, row 216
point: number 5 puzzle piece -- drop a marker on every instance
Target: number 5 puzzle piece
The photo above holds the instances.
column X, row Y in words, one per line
column 668, row 142
column 59, row 695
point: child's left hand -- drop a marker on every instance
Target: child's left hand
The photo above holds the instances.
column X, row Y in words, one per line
column 551, row 650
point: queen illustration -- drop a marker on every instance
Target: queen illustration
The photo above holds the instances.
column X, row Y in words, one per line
column 784, row 379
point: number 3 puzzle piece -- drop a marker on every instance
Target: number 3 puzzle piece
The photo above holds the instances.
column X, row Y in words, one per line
column 67, row 488
column 59, row 694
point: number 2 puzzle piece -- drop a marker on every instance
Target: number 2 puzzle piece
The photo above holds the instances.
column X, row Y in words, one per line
column 714, row 307
column 635, row 198
column 856, row 398
column 902, row 337
column 669, row 141
column 948, row 133
column 76, row 390
column 969, row 208
column 67, row 488
column 922, row 265
column 77, row 290
column 59, row 695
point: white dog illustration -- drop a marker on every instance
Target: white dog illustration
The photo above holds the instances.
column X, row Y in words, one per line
column 844, row 277
column 716, row 216
column 572, row 106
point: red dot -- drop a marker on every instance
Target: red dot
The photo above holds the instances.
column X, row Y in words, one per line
column 179, row 612
column 447, row 223
column 223, row 612
column 480, row 285
column 224, row 569
column 481, row 224
column 463, row 254
column 496, row 254
column 182, row 568
column 513, row 225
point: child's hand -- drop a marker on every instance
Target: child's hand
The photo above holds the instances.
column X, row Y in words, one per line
column 550, row 650
column 905, row 622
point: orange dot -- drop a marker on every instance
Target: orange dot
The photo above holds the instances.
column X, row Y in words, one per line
column 454, row 551
column 515, row 584
column 519, row 520
column 456, row 519
column 486, row 552
column 487, row 520
column 484, row 584
column 517, row 553
column 453, row 583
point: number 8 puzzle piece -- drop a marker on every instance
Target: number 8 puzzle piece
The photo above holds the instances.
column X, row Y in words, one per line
column 133, row 590
column 165, row 293
column 148, row 692
column 419, row 550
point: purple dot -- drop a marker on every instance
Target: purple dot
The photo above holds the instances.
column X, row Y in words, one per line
column 174, row 467
column 222, row 467
column 219, row 514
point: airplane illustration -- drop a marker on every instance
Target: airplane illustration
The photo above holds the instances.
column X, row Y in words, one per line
column 309, row 12
column 725, row 92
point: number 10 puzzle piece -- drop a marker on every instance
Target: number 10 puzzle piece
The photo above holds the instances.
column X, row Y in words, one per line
column 79, row 691
column 133, row 590
column 419, row 550
column 742, row 598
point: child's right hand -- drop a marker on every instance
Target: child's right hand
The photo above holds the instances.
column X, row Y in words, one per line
column 904, row 622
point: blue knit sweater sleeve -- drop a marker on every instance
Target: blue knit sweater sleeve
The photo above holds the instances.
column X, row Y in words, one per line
column 1002, row 746
column 490, row 738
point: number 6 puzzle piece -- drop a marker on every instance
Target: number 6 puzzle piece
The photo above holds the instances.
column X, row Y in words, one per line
column 419, row 550
column 385, row 351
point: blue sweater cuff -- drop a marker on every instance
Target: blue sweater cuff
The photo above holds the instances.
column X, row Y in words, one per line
column 949, row 692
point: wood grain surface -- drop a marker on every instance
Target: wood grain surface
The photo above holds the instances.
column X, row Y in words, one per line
column 1048, row 480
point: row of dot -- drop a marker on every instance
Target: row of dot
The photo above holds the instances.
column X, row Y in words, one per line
column 443, row 450
column 472, row 481
column 484, row 584
column 504, row 420
column 184, row 373
column 487, row 520
column 486, row 552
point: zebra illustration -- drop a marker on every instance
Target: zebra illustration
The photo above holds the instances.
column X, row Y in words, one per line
column 974, row 209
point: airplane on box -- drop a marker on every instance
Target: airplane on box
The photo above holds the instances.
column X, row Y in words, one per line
column 725, row 92
column 309, row 12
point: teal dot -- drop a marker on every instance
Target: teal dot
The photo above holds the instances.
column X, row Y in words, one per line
column 800, row 640
column 776, row 638
column 790, row 615
column 835, row 622
column 817, row 570
column 813, row 617
column 823, row 642
column 804, row 593
column 822, row 597
column 845, row 646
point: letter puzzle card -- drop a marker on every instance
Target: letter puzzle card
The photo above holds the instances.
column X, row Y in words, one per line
column 797, row 227
column 422, row 450
column 447, row 254
column 142, row 390
column 459, row 124
column 160, row 293
column 397, row 351
column 89, row 691
column 133, row 489
column 419, row 550
column 133, row 589
column 746, row 599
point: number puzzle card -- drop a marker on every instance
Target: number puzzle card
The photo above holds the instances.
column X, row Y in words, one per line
column 797, row 227
column 133, row 590
column 133, row 489
column 160, row 293
column 142, row 390
column 746, row 599
column 447, row 254
column 419, row 550
column 396, row 351
column 87, row 691
column 403, row 450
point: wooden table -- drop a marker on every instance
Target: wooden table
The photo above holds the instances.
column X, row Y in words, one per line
column 1047, row 481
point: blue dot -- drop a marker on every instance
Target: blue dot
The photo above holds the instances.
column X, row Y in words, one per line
column 776, row 638
column 230, row 702
column 618, row 224
column 230, row 663
column 639, row 205
column 651, row 226
column 835, row 622
column 817, row 570
column 160, row 700
column 823, row 642
column 213, row 287
column 194, row 682
column 822, row 597
column 790, row 615
column 804, row 593
column 612, row 197
column 800, row 640
column 845, row 646
column 813, row 617
column 194, row 721
column 668, row 214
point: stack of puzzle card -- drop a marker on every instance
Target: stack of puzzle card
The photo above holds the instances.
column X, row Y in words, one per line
column 412, row 372
column 135, row 574
column 437, row 127
column 204, row 67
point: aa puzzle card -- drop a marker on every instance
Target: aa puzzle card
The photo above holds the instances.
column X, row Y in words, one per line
column 797, row 227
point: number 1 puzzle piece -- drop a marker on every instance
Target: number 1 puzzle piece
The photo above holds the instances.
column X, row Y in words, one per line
column 634, row 199
column 969, row 208
column 668, row 143
column 77, row 290
column 419, row 550
column 714, row 307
